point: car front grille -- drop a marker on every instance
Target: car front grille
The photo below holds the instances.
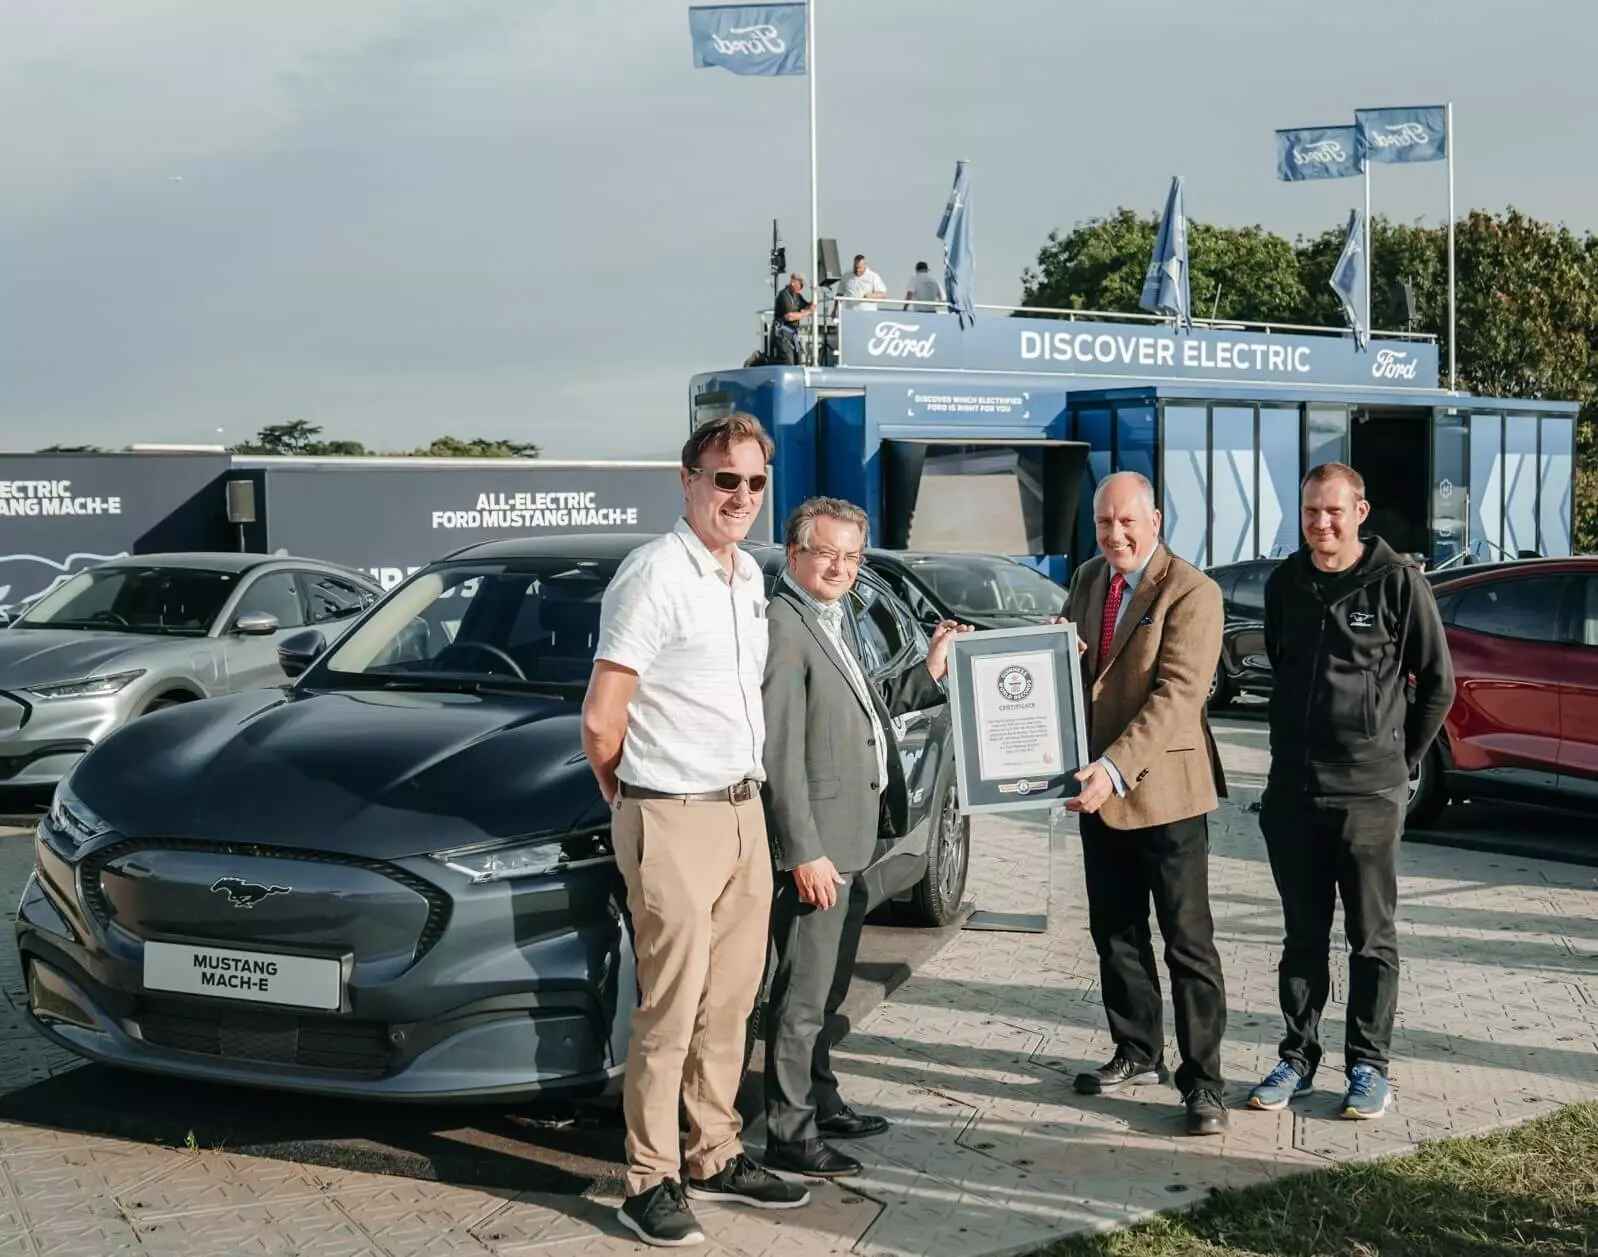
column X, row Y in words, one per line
column 267, row 1037
column 438, row 903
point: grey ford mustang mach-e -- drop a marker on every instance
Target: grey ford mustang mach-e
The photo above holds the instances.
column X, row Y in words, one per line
column 392, row 877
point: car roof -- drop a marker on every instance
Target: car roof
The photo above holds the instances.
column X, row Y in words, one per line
column 226, row 561
column 605, row 547
column 1482, row 571
column 911, row 557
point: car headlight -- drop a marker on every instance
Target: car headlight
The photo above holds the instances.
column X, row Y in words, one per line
column 88, row 687
column 69, row 816
column 529, row 857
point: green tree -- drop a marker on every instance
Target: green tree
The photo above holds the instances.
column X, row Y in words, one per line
column 477, row 447
column 297, row 438
column 1100, row 265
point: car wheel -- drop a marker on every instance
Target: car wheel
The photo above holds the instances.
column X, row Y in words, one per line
column 1220, row 690
column 937, row 897
column 1427, row 797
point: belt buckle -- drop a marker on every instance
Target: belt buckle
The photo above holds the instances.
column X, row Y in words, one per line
column 742, row 792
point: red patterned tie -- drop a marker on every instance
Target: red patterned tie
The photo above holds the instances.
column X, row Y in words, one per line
column 1112, row 608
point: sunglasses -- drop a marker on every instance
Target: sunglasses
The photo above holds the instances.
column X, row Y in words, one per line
column 728, row 481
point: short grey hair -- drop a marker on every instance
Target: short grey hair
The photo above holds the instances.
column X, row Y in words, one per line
column 803, row 520
column 1134, row 477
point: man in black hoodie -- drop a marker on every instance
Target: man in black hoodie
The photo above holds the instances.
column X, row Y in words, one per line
column 1362, row 684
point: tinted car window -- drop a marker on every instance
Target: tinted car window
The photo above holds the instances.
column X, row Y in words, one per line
column 882, row 636
column 276, row 594
column 1249, row 592
column 1526, row 609
column 1587, row 623
column 183, row 601
column 334, row 599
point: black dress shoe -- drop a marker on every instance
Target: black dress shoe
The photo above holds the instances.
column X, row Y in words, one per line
column 847, row 1124
column 1120, row 1072
column 1206, row 1112
column 813, row 1158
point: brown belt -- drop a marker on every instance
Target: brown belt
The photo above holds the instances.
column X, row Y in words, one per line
column 742, row 792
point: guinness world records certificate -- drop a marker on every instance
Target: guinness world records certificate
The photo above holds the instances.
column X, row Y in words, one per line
column 1019, row 721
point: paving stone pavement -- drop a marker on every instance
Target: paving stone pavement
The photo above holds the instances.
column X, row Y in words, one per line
column 990, row 1152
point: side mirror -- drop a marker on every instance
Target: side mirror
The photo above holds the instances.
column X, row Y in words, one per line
column 255, row 624
column 298, row 651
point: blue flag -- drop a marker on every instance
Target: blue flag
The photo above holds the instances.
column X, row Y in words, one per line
column 1317, row 153
column 955, row 232
column 1403, row 135
column 1348, row 280
column 1165, row 288
column 749, row 38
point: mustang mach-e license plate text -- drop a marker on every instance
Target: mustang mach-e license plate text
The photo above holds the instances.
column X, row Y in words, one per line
column 304, row 981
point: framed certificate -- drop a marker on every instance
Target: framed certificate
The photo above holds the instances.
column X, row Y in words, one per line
column 1020, row 730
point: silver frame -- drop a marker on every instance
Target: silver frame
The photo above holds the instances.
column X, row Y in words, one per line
column 966, row 646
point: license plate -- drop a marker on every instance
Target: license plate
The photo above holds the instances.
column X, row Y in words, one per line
column 265, row 978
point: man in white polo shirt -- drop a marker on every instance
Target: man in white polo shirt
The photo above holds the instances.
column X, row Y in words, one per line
column 674, row 729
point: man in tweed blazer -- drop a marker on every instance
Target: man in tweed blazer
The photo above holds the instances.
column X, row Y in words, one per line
column 1151, row 633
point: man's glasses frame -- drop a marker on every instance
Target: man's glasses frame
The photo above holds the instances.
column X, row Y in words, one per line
column 835, row 556
column 730, row 481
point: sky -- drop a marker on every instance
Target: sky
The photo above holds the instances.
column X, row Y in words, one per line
column 534, row 219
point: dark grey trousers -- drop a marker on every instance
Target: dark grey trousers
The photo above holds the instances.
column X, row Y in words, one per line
column 814, row 964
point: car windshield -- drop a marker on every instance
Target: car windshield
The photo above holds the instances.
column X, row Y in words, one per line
column 989, row 587
column 177, row 601
column 529, row 623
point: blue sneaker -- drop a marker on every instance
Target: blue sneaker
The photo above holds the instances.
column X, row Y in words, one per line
column 1281, row 1085
column 1367, row 1094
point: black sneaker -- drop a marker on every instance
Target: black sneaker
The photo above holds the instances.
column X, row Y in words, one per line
column 743, row 1182
column 1206, row 1112
column 1120, row 1072
column 660, row 1216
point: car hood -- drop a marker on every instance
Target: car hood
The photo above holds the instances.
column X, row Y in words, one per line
column 43, row 656
column 381, row 774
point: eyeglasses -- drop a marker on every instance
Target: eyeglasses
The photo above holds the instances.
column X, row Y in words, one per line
column 728, row 481
column 830, row 557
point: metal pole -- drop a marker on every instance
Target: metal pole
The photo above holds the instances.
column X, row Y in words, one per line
column 816, row 327
column 1453, row 382
column 1370, row 318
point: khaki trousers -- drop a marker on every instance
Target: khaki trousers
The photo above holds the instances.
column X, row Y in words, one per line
column 699, row 893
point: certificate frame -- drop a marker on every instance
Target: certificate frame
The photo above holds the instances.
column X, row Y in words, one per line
column 1016, row 654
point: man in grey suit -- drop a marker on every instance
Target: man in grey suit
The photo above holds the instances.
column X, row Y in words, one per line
column 833, row 778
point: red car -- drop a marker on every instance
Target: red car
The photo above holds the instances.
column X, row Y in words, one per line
column 1524, row 724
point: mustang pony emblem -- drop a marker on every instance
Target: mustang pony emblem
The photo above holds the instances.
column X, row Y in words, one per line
column 243, row 894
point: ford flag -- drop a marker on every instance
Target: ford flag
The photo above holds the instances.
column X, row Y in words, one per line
column 1403, row 135
column 1348, row 280
column 1165, row 288
column 955, row 232
column 749, row 38
column 1317, row 153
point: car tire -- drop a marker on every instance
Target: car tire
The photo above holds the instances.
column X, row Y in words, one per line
column 936, row 898
column 1220, row 690
column 1427, row 794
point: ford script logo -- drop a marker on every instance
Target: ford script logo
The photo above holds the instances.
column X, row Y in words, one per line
column 1324, row 152
column 892, row 340
column 1394, row 364
column 243, row 894
column 1400, row 135
column 756, row 41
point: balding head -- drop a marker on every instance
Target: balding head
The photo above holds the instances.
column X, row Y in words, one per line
column 1126, row 520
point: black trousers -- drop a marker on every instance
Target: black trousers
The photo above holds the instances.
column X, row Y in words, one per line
column 1125, row 868
column 814, row 965
column 1323, row 847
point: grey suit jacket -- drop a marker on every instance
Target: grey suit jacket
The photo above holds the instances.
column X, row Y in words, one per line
column 822, row 796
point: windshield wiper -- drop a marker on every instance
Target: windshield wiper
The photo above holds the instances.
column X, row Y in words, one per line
column 472, row 685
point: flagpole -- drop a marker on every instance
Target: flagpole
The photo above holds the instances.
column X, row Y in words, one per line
column 1453, row 382
column 817, row 328
column 1370, row 317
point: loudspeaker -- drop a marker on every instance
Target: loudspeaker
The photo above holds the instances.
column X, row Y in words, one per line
column 241, row 501
column 828, row 272
column 1401, row 304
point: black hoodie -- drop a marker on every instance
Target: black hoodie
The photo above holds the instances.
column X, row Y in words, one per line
column 1343, row 647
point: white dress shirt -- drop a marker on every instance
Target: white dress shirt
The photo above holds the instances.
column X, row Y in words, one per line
column 698, row 643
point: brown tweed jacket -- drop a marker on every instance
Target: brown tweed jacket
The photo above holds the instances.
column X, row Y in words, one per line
column 1147, row 705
